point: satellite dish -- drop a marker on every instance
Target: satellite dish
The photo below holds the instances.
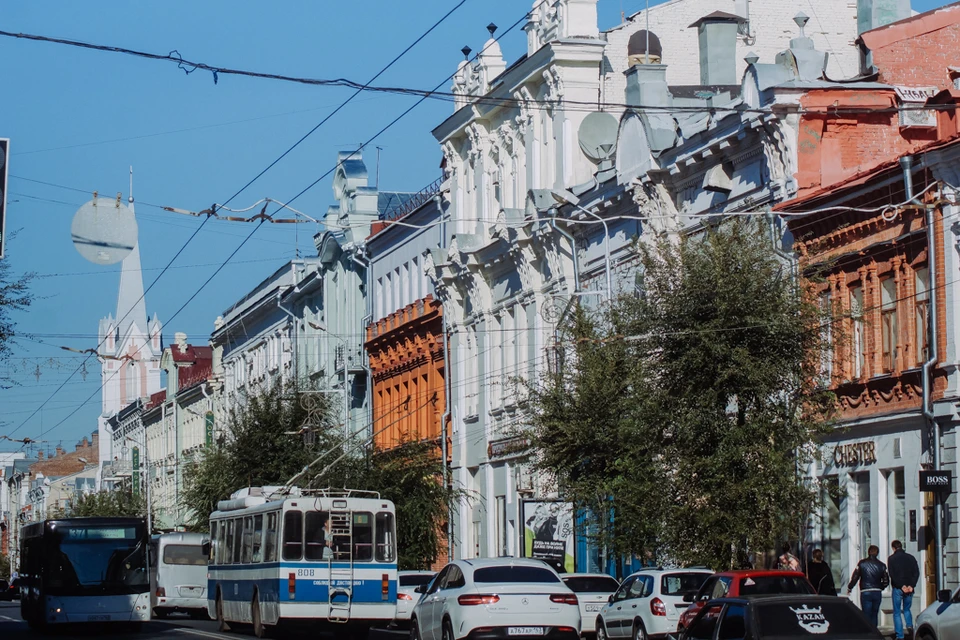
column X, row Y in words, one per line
column 104, row 230
column 598, row 136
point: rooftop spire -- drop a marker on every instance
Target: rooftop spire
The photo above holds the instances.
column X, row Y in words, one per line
column 131, row 307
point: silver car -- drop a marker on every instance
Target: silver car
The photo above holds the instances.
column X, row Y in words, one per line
column 941, row 620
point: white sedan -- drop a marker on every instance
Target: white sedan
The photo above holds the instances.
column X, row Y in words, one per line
column 594, row 591
column 407, row 595
column 495, row 599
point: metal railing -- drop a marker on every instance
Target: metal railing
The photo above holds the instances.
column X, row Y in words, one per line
column 414, row 202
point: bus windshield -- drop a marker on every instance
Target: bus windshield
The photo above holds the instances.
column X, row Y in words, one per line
column 96, row 559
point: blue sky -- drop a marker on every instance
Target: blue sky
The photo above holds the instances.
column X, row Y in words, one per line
column 80, row 118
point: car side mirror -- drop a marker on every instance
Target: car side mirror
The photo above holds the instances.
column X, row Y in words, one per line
column 610, row 598
column 944, row 595
column 421, row 588
column 688, row 597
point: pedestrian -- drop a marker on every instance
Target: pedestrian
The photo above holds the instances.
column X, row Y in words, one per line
column 787, row 561
column 904, row 575
column 820, row 575
column 872, row 575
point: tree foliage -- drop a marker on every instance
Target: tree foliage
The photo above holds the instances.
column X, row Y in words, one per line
column 266, row 446
column 680, row 416
column 15, row 296
column 105, row 504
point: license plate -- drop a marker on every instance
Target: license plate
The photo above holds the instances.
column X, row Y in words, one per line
column 594, row 607
column 524, row 631
column 98, row 618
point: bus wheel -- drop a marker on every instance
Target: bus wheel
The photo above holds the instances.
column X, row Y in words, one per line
column 221, row 621
column 258, row 629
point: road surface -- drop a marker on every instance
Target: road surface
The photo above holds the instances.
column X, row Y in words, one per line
column 12, row 627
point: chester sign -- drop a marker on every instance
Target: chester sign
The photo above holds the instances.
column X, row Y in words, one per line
column 855, row 453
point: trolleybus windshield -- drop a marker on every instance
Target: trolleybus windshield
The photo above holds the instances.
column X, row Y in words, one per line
column 92, row 559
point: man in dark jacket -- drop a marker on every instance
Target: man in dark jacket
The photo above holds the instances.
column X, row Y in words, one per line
column 904, row 575
column 873, row 578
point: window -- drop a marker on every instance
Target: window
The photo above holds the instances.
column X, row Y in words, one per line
column 247, row 540
column 317, row 540
column 190, row 554
column 897, row 505
column 641, row 587
column 591, row 584
column 270, row 544
column 733, row 626
column 864, row 517
column 921, row 311
column 223, row 553
column 720, row 588
column 257, row 552
column 228, row 547
column 780, row 621
column 517, row 573
column 888, row 322
column 831, row 535
column 680, row 584
column 500, row 524
column 455, row 579
column 385, row 538
column 826, row 335
column 414, row 580
column 621, row 594
column 857, row 345
column 214, row 543
column 440, row 580
column 704, row 626
column 292, row 535
column 362, row 537
column 767, row 585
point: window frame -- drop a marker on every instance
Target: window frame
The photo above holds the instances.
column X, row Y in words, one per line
column 287, row 543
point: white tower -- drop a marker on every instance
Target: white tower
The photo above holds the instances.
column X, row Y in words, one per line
column 130, row 348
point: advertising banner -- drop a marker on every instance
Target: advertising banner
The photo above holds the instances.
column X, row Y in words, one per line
column 548, row 533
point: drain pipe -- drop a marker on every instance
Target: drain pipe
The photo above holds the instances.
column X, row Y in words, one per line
column 906, row 163
column 364, row 262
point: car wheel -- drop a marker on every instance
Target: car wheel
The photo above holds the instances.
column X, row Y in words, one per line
column 414, row 629
column 160, row 613
column 447, row 631
column 639, row 633
column 222, row 624
column 601, row 630
column 925, row 635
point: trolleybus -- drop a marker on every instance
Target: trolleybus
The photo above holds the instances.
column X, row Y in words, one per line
column 327, row 557
column 76, row 570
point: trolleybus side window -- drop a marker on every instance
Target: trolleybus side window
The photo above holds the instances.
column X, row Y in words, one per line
column 385, row 536
column 214, row 543
column 270, row 553
column 237, row 540
column 228, row 550
column 247, row 540
column 257, row 538
column 292, row 535
column 221, row 542
column 317, row 540
column 362, row 537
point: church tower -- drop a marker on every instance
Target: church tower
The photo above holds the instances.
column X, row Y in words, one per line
column 130, row 348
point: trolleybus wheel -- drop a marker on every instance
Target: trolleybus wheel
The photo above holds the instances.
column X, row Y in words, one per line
column 221, row 622
column 258, row 629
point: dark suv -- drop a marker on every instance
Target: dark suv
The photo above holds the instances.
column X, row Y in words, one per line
column 782, row 617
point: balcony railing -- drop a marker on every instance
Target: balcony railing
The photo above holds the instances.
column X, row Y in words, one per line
column 417, row 200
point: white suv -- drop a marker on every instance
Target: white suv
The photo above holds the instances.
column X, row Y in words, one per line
column 648, row 603
column 496, row 599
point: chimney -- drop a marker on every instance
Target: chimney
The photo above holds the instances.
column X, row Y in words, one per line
column 872, row 14
column 40, row 456
column 59, row 451
column 718, row 48
column 96, row 438
column 180, row 339
column 647, row 86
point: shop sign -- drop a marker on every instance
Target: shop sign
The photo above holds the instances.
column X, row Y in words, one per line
column 936, row 481
column 507, row 447
column 136, row 471
column 855, row 453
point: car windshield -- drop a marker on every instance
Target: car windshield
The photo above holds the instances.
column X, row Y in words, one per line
column 680, row 584
column 509, row 573
column 820, row 619
column 592, row 584
column 764, row 585
column 415, row 580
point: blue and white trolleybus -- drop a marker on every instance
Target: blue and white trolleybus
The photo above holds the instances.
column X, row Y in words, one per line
column 285, row 555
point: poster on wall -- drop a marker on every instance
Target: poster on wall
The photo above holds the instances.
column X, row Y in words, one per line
column 548, row 533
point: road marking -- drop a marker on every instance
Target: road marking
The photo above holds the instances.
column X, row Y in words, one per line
column 205, row 634
column 9, row 619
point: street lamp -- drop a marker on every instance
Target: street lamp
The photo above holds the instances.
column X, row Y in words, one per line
column 544, row 198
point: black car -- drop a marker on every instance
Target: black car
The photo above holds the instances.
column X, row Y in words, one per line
column 9, row 591
column 780, row 617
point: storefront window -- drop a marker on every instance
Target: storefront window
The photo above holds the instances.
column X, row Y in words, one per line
column 864, row 521
column 897, row 505
column 831, row 535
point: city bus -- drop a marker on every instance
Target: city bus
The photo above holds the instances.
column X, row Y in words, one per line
column 325, row 557
column 179, row 573
column 81, row 570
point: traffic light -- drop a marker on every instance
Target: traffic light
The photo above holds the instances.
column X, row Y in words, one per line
column 4, row 155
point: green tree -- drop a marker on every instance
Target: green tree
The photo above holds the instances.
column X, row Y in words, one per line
column 14, row 296
column 696, row 403
column 106, row 504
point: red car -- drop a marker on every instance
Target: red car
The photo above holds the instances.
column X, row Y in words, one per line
column 735, row 584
